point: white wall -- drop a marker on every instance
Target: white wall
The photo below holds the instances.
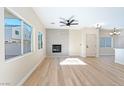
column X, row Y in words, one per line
column 119, row 56
column 74, row 42
column 15, row 70
column 119, row 48
column 106, row 51
column 119, row 39
column 57, row 36
column 86, row 31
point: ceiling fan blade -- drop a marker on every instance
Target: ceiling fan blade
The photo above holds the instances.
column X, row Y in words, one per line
column 76, row 20
column 71, row 21
column 71, row 17
column 62, row 25
column 74, row 24
column 63, row 19
column 62, row 22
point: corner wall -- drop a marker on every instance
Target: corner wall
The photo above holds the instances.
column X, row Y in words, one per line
column 14, row 71
column 74, row 42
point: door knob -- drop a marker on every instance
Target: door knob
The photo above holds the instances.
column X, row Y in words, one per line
column 87, row 46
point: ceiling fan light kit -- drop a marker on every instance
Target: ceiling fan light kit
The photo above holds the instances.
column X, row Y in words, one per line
column 114, row 33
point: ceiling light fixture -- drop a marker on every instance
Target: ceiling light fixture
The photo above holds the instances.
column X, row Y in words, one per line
column 114, row 33
column 98, row 26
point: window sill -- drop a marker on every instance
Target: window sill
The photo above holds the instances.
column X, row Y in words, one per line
column 18, row 57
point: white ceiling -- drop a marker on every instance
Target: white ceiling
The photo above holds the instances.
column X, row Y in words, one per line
column 90, row 16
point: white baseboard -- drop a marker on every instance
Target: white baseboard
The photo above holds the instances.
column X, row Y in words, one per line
column 121, row 63
column 26, row 77
column 107, row 54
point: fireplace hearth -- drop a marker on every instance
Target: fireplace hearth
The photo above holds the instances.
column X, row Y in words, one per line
column 56, row 48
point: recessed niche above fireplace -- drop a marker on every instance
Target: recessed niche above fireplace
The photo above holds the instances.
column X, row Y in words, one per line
column 56, row 48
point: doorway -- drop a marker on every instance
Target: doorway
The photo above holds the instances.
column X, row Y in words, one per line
column 91, row 45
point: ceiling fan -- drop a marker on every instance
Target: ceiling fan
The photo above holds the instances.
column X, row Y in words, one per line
column 68, row 22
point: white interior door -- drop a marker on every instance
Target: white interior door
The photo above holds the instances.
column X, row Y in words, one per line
column 91, row 45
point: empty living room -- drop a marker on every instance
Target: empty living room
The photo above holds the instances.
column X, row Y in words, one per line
column 61, row 46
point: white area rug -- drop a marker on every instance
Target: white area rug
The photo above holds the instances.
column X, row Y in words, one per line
column 72, row 61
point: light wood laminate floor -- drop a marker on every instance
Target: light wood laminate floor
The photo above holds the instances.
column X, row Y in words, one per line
column 96, row 71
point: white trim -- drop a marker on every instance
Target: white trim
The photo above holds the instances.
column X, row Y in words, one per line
column 38, row 41
column 118, row 62
column 17, row 57
column 22, row 31
column 29, row 73
column 60, row 56
column 33, row 40
column 98, row 42
column 107, row 54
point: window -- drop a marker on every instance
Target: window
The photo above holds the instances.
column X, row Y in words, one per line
column 40, row 42
column 27, row 37
column 12, row 37
column 16, row 32
column 105, row 42
column 15, row 43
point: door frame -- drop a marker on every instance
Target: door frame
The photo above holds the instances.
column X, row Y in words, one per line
column 95, row 45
